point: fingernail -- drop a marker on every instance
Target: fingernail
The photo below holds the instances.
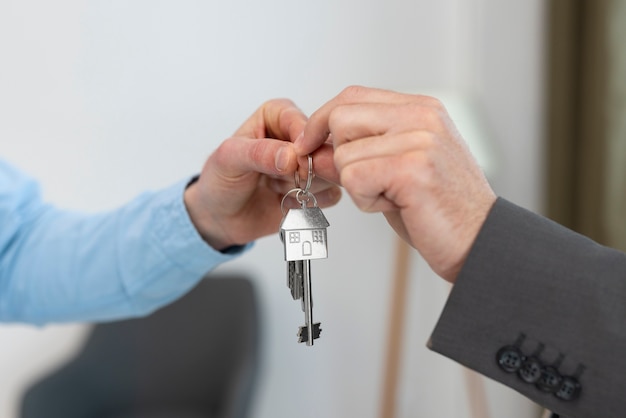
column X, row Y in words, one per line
column 282, row 159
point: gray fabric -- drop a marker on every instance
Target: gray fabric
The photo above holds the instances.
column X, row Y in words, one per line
column 526, row 274
column 194, row 358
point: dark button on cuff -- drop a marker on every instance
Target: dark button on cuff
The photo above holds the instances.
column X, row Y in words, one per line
column 530, row 372
column 530, row 369
column 550, row 380
column 569, row 389
column 510, row 358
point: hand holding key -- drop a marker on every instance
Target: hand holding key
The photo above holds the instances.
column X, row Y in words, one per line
column 401, row 154
column 243, row 181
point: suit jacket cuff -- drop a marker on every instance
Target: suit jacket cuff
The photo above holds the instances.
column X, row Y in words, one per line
column 535, row 285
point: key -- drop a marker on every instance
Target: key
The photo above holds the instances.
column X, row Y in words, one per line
column 310, row 331
column 297, row 271
column 295, row 279
column 303, row 233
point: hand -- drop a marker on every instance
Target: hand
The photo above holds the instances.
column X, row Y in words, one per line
column 401, row 154
column 238, row 195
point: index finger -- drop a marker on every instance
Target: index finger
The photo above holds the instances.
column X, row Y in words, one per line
column 317, row 128
column 283, row 120
column 275, row 119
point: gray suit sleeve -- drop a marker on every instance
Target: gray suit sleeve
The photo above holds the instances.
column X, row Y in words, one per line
column 541, row 309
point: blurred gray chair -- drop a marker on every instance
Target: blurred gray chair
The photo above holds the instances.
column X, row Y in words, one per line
column 196, row 358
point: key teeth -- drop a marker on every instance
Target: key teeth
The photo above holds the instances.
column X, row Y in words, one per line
column 294, row 280
column 303, row 335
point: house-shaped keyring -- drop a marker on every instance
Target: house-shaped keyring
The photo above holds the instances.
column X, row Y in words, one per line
column 303, row 232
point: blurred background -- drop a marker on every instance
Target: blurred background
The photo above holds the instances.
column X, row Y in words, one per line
column 101, row 100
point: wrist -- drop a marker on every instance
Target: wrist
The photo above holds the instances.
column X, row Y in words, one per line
column 201, row 218
column 474, row 226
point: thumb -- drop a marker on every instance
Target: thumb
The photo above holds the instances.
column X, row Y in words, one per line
column 238, row 156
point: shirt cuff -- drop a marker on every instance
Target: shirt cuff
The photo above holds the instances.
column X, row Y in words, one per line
column 179, row 240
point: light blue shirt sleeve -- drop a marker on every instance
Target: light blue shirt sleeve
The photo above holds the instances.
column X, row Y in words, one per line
column 57, row 265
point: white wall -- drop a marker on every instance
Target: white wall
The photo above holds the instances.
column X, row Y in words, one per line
column 507, row 80
column 101, row 100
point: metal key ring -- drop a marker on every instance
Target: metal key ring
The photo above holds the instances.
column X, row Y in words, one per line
column 299, row 193
column 309, row 178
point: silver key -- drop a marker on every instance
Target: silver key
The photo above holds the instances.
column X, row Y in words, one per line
column 303, row 233
column 310, row 331
column 295, row 278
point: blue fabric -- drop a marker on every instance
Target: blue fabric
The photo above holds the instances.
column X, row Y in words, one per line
column 57, row 265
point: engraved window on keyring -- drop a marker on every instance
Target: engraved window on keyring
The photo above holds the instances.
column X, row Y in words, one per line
column 294, row 237
column 318, row 236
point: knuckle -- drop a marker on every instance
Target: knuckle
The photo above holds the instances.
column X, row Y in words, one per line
column 352, row 93
column 274, row 109
column 221, row 159
column 339, row 156
column 278, row 102
column 224, row 149
column 431, row 114
column 348, row 179
column 423, row 139
column 420, row 169
column 336, row 120
column 258, row 150
column 359, row 189
column 433, row 103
